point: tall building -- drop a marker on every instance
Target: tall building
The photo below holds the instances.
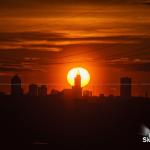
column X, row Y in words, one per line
column 33, row 90
column 42, row 90
column 125, row 87
column 77, row 80
column 76, row 89
column 16, row 88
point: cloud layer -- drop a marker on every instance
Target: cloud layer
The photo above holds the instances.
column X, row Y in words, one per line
column 26, row 51
column 64, row 33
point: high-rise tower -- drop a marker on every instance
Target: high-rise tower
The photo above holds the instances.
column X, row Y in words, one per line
column 125, row 87
column 77, row 80
column 16, row 89
column 33, row 90
column 42, row 90
column 77, row 90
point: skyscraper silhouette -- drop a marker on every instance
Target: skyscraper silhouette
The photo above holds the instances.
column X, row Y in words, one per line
column 125, row 87
column 77, row 80
column 42, row 90
column 77, row 90
column 33, row 90
column 16, row 88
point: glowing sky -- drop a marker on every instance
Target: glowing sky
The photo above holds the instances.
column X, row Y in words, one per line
column 45, row 38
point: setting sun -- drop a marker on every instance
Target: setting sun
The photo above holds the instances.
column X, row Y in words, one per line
column 85, row 76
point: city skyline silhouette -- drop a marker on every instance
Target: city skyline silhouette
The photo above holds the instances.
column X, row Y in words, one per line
column 75, row 74
column 16, row 88
column 71, row 115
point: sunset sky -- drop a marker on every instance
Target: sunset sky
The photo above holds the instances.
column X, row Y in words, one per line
column 42, row 39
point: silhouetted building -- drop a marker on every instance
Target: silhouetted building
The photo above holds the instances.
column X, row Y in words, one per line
column 54, row 92
column 125, row 87
column 87, row 93
column 67, row 93
column 16, row 88
column 101, row 95
column 33, row 90
column 76, row 89
column 42, row 90
column 77, row 80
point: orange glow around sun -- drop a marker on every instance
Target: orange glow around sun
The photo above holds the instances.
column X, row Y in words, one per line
column 85, row 76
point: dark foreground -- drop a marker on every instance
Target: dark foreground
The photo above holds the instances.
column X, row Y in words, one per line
column 90, row 123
